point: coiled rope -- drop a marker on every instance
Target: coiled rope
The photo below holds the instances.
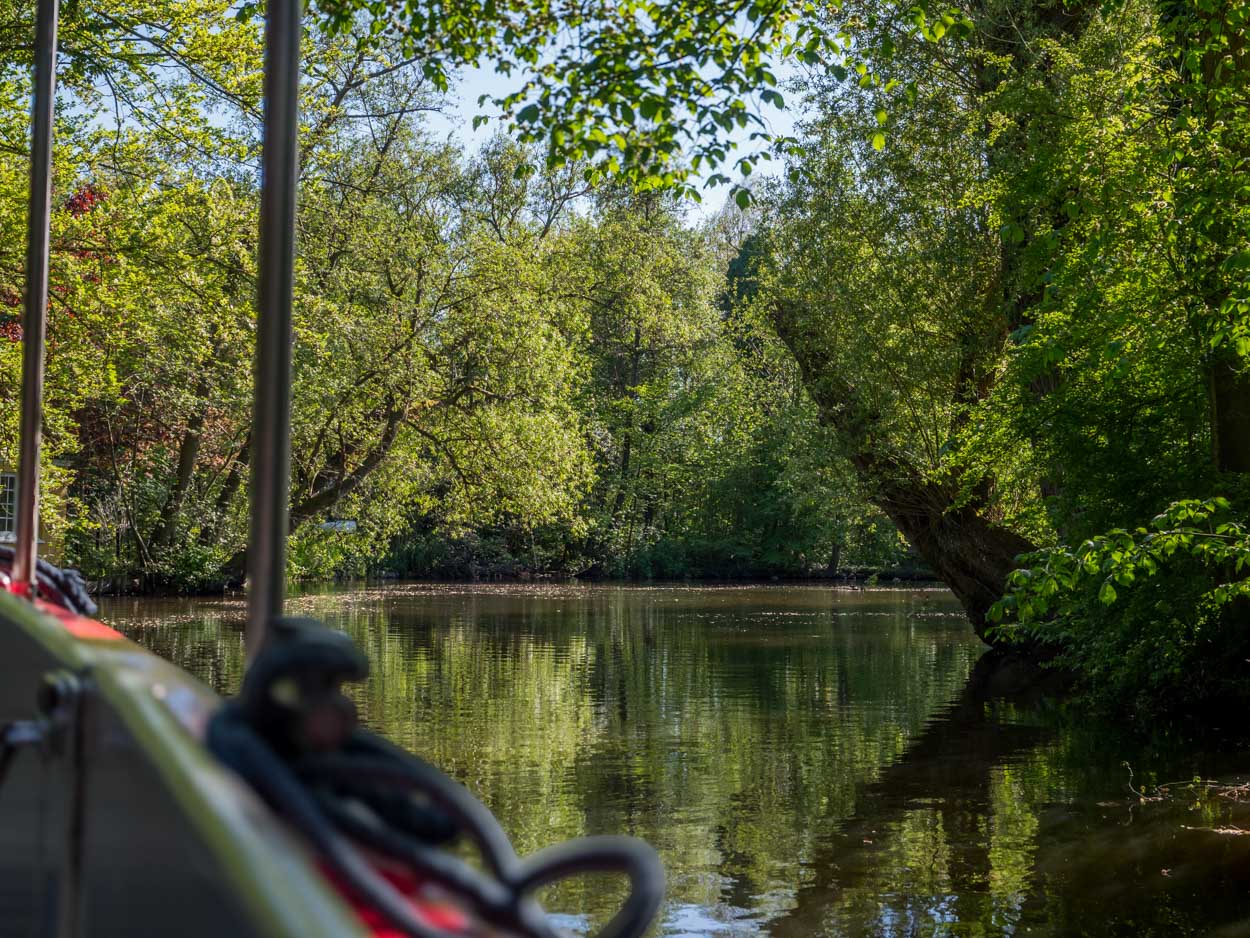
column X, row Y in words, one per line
column 291, row 734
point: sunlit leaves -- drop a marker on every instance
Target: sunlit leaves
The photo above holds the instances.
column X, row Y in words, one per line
column 643, row 88
column 1144, row 299
column 1210, row 87
column 1204, row 530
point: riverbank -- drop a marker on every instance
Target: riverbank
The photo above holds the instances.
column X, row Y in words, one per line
column 134, row 585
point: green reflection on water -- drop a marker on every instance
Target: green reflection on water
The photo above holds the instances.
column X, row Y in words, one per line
column 807, row 761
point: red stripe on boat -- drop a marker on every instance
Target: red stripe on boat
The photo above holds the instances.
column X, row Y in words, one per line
column 80, row 626
column 443, row 916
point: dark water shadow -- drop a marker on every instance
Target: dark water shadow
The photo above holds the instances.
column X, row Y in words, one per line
column 946, row 767
column 1099, row 861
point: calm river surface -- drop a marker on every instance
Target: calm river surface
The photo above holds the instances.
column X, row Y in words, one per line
column 808, row 761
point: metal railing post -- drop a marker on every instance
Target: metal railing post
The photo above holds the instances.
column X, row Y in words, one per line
column 35, row 316
column 271, row 437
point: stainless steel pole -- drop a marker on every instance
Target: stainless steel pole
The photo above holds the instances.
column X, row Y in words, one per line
column 271, row 433
column 35, row 318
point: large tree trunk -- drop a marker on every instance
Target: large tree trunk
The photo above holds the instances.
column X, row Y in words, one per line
column 944, row 521
column 1212, row 202
column 969, row 553
column 949, row 527
column 1230, row 412
column 188, row 454
column 334, row 483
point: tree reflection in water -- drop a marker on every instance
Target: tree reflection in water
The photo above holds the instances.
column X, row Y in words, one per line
column 809, row 761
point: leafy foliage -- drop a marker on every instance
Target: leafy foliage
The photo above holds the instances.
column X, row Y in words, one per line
column 1196, row 530
column 1152, row 620
column 651, row 91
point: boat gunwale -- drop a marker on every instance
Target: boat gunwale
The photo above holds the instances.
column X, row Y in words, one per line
column 165, row 712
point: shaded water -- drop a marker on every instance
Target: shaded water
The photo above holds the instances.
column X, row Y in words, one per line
column 808, row 761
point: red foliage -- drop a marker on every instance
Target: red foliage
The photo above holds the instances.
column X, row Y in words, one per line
column 84, row 200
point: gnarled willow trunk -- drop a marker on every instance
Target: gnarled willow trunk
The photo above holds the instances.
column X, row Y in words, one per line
column 970, row 554
column 944, row 521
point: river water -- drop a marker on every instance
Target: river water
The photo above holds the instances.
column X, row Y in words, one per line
column 808, row 761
